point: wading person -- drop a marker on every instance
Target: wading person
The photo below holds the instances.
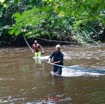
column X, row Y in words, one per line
column 57, row 57
column 37, row 48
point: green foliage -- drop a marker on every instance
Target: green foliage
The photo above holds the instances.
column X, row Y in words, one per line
column 2, row 1
column 60, row 19
column 27, row 21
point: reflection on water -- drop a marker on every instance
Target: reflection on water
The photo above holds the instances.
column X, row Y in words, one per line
column 22, row 81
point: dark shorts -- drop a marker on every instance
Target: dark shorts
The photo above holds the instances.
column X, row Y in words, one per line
column 57, row 69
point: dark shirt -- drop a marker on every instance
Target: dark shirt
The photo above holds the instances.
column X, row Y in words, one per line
column 57, row 56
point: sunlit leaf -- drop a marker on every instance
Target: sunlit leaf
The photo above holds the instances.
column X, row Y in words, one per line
column 5, row 5
column 17, row 32
column 11, row 31
column 2, row 1
column 61, row 14
column 18, row 15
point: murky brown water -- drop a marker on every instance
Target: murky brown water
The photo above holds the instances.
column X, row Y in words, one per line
column 22, row 81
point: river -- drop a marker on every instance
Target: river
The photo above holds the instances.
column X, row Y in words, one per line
column 23, row 81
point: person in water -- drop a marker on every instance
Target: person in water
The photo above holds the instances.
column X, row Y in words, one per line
column 57, row 57
column 36, row 48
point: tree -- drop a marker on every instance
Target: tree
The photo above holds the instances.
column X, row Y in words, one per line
column 61, row 19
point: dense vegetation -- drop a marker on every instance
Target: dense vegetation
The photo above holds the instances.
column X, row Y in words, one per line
column 80, row 20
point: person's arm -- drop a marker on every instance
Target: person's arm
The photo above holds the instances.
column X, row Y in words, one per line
column 56, row 62
column 42, row 50
column 33, row 49
column 60, row 61
column 50, row 58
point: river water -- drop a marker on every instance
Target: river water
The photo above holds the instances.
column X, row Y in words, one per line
column 24, row 81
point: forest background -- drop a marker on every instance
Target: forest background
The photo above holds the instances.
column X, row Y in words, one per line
column 73, row 21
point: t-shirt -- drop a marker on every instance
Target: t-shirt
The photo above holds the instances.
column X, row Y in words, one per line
column 57, row 56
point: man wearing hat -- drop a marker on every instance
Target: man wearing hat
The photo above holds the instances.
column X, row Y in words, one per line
column 57, row 57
